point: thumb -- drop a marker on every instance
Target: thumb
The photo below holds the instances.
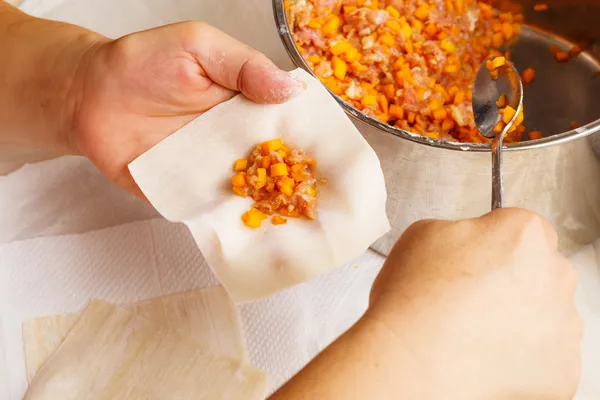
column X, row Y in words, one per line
column 239, row 67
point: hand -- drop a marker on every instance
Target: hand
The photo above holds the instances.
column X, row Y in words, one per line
column 485, row 306
column 137, row 90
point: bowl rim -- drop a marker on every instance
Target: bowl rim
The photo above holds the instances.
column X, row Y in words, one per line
column 288, row 42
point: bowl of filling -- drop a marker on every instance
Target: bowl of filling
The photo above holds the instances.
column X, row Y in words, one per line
column 404, row 69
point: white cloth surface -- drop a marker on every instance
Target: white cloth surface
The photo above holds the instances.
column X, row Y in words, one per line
column 144, row 259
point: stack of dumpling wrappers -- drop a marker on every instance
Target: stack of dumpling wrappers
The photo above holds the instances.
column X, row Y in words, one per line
column 163, row 348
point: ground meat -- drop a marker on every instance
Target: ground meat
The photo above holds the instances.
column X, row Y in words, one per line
column 409, row 63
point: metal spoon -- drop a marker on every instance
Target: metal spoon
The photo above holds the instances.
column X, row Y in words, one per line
column 486, row 92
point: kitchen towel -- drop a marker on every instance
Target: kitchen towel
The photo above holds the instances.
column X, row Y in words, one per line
column 144, row 259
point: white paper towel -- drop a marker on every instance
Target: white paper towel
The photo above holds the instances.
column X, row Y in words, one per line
column 140, row 260
column 64, row 195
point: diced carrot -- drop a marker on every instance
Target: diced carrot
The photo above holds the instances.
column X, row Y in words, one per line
column 383, row 103
column 389, row 91
column 396, row 111
column 272, row 145
column 238, row 180
column 340, row 47
column 240, row 191
column 448, row 46
column 240, row 165
column 282, row 153
column 540, row 7
column 574, row 125
column 575, row 51
column 277, row 220
column 431, row 29
column 533, row 135
column 253, row 218
column 499, row 127
column 440, row 114
column 351, row 55
column 528, row 75
column 494, row 74
column 265, row 162
column 508, row 30
column 434, row 105
column 393, row 25
column 422, row 12
column 447, row 124
column 369, row 100
column 332, row 26
column 508, row 113
column 501, row 102
column 498, row 62
column 459, row 98
column 261, row 174
column 279, row 169
column 339, row 67
column 288, row 191
column 387, row 40
column 393, row 12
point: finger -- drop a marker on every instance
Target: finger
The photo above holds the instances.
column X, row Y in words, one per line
column 238, row 67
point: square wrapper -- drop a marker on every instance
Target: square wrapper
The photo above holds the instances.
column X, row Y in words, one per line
column 187, row 177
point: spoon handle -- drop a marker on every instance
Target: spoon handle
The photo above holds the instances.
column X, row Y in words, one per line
column 497, row 183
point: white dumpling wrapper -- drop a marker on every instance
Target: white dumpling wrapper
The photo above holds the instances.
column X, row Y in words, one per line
column 187, row 178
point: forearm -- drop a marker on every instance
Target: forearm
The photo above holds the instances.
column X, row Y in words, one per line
column 367, row 362
column 42, row 62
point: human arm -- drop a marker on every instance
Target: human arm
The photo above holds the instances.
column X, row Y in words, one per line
column 40, row 87
column 474, row 309
column 74, row 91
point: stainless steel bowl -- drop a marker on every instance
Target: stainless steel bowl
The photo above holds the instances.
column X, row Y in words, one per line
column 556, row 176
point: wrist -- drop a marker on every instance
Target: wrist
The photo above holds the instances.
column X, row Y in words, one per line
column 424, row 361
column 43, row 80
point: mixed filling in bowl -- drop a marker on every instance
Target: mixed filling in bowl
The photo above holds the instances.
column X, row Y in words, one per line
column 408, row 63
